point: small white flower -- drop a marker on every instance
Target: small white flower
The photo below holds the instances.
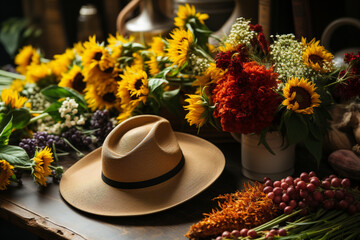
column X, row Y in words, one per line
column 80, row 122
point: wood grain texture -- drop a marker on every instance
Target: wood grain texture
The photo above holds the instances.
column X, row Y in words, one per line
column 46, row 214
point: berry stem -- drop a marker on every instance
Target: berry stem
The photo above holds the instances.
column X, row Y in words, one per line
column 78, row 152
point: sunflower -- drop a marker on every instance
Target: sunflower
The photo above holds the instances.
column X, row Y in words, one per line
column 187, row 12
column 118, row 40
column 153, row 65
column 61, row 62
column 125, row 114
column 128, row 102
column 36, row 73
column 197, row 112
column 209, row 77
column 103, row 98
column 73, row 79
column 136, row 84
column 6, row 171
column 179, row 46
column 27, row 56
column 41, row 165
column 12, row 98
column 157, row 46
column 300, row 96
column 317, row 57
column 96, row 56
column 78, row 48
column 17, row 85
column 137, row 61
column 115, row 44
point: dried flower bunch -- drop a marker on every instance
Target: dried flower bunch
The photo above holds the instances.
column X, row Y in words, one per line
column 243, row 209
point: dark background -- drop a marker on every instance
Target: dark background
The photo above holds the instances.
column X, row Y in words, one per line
column 58, row 20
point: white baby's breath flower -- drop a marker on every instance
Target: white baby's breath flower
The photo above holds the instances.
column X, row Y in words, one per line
column 240, row 33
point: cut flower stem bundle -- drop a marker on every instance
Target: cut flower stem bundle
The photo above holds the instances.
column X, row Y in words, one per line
column 323, row 224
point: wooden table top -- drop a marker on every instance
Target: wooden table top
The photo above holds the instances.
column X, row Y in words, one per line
column 46, row 214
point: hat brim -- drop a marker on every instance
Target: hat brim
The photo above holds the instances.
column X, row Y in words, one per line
column 82, row 187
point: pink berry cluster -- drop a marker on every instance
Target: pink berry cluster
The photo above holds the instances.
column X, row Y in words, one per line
column 308, row 192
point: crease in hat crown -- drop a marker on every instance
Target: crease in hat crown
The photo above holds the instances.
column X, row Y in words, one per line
column 140, row 149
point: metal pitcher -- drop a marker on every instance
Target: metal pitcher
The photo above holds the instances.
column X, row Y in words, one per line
column 150, row 22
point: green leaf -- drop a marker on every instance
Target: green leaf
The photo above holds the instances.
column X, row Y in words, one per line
column 314, row 146
column 315, row 130
column 155, row 83
column 14, row 155
column 53, row 93
column 262, row 141
column 53, row 111
column 21, row 118
column 5, row 133
column 172, row 103
column 296, row 127
column 168, row 95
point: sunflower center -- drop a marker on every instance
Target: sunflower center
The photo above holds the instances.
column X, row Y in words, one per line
column 302, row 97
column 316, row 59
column 98, row 56
column 78, row 83
column 109, row 97
column 109, row 70
column 138, row 84
column 29, row 60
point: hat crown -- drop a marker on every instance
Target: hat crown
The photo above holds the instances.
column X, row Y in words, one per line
column 140, row 149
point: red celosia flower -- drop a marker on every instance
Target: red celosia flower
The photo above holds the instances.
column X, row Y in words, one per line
column 246, row 103
column 264, row 44
column 223, row 59
column 256, row 28
column 351, row 57
column 350, row 87
column 238, row 58
column 232, row 60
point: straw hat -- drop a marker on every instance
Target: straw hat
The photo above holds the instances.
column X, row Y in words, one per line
column 143, row 167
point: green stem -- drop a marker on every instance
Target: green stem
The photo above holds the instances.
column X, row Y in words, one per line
column 79, row 153
column 36, row 112
column 12, row 75
column 203, row 53
column 215, row 37
column 276, row 221
column 22, row 167
column 62, row 154
column 41, row 116
column 55, row 154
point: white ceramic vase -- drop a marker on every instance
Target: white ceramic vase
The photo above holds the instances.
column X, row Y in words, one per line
column 257, row 162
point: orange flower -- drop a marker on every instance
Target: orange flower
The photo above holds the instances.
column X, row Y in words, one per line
column 243, row 209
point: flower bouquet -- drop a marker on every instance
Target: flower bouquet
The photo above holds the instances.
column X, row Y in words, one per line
column 253, row 86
